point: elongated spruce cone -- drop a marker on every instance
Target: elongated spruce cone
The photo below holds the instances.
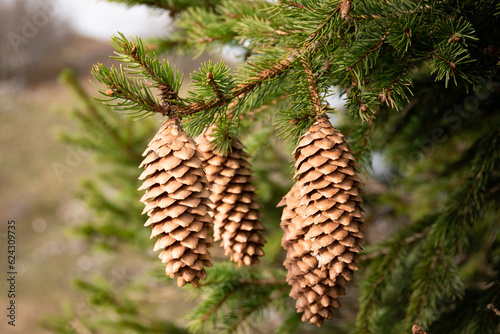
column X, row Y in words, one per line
column 236, row 211
column 314, row 291
column 177, row 203
column 322, row 221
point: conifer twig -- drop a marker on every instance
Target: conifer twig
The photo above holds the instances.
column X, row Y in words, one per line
column 214, row 308
column 166, row 91
column 417, row 330
column 313, row 88
column 492, row 307
column 212, row 83
column 310, row 40
column 373, row 287
column 241, row 89
column 375, row 48
column 79, row 327
column 294, row 4
column 366, row 136
column 424, row 293
column 251, row 310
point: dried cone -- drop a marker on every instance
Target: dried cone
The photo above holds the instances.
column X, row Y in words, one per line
column 236, row 211
column 177, row 203
column 322, row 220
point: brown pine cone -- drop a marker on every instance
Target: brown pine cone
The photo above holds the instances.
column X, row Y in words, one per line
column 236, row 210
column 322, row 221
column 315, row 293
column 177, row 203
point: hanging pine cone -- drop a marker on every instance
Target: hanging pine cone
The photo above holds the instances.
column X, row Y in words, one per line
column 322, row 220
column 177, row 203
column 236, row 210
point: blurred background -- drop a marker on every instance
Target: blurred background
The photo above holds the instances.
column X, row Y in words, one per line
column 39, row 173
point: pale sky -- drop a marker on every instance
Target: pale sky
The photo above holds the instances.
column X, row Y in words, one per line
column 101, row 19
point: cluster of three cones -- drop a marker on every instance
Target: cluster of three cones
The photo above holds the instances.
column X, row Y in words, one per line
column 191, row 189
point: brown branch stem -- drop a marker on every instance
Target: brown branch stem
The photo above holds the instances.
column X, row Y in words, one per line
column 294, row 4
column 375, row 48
column 240, row 90
column 368, row 131
column 313, row 88
column 492, row 307
column 214, row 308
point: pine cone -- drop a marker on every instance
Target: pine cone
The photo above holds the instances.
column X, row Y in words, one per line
column 322, row 220
column 233, row 196
column 177, row 203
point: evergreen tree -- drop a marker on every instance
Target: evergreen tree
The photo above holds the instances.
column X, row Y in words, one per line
column 420, row 85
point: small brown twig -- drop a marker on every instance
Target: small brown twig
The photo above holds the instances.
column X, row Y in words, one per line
column 79, row 327
column 313, row 88
column 240, row 90
column 294, row 4
column 417, row 330
column 214, row 308
column 492, row 307
column 375, row 48
column 366, row 136
column 211, row 82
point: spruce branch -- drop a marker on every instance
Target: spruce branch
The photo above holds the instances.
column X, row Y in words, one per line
column 248, row 310
column 448, row 61
column 435, row 276
column 212, row 83
column 423, row 288
column 127, row 88
column 144, row 62
column 367, row 306
column 321, row 30
column 216, row 307
column 377, row 46
column 362, row 14
column 241, row 89
column 466, row 204
column 398, row 83
column 125, row 93
column 294, row 4
column 384, row 261
column 366, row 137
